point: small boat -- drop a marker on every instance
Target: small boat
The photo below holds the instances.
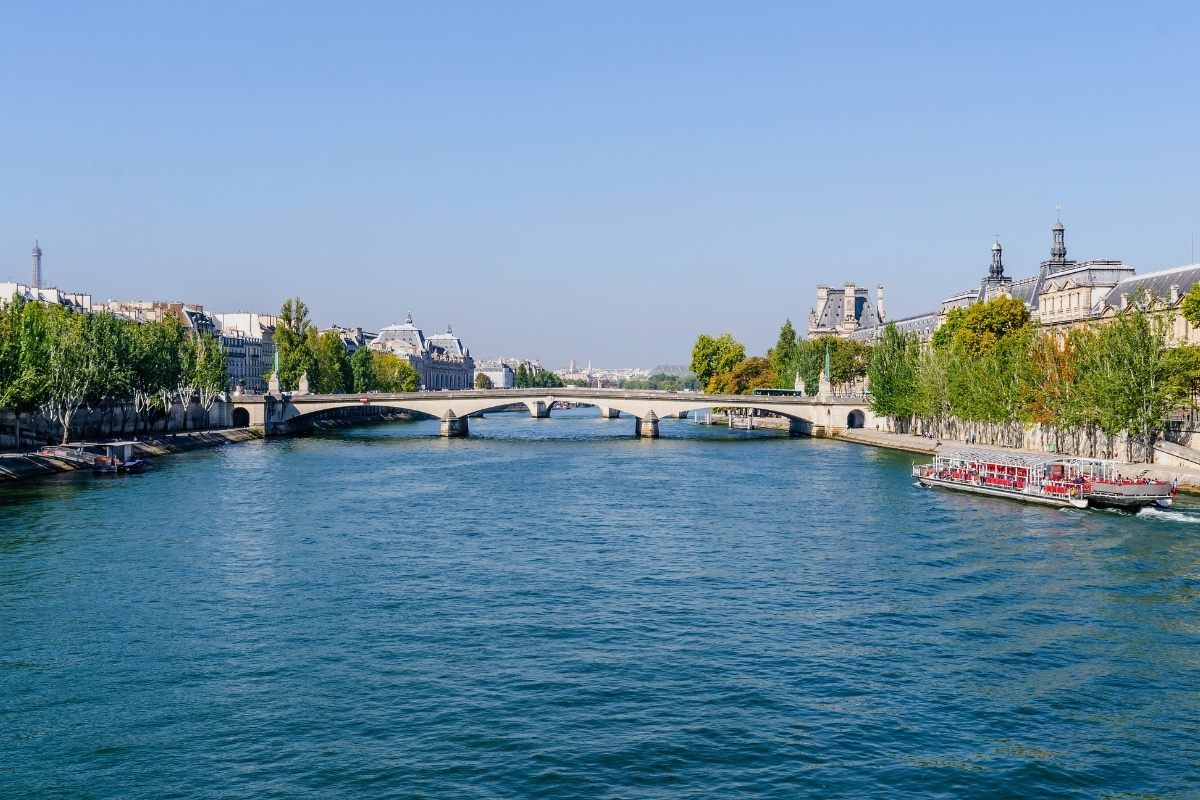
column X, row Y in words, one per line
column 104, row 464
column 136, row 466
column 1053, row 480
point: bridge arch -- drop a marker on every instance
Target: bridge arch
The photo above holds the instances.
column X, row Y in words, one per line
column 856, row 419
column 241, row 418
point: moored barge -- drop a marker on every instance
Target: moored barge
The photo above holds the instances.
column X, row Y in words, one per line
column 1046, row 479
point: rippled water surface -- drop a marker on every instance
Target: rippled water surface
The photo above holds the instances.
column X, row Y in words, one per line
column 554, row 608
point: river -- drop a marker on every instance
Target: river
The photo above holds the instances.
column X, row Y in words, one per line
column 555, row 608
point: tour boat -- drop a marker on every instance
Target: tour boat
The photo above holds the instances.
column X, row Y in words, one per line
column 1053, row 480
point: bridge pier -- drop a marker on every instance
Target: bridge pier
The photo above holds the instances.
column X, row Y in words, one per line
column 609, row 413
column 647, row 426
column 538, row 409
column 454, row 425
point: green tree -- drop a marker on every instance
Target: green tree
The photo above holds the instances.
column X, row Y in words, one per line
column 783, row 357
column 1191, row 304
column 522, row 378
column 482, row 381
column 711, row 357
column 362, row 369
column 395, row 374
column 156, row 366
column 209, row 365
column 23, row 354
column 293, row 344
column 752, row 373
column 70, row 367
column 980, row 326
column 895, row 360
column 334, row 373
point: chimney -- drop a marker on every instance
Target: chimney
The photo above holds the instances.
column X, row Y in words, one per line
column 879, row 303
column 848, row 308
column 1175, row 294
column 822, row 296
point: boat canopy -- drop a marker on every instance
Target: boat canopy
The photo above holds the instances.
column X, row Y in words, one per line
column 1032, row 461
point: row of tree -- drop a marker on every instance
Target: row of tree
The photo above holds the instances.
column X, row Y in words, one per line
column 721, row 366
column 55, row 362
column 303, row 350
column 990, row 363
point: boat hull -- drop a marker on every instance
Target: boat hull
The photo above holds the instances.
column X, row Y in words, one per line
column 988, row 491
column 1129, row 500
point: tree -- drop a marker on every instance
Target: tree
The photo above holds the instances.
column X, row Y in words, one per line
column 1191, row 305
column 750, row 374
column 209, row 365
column 893, row 372
column 395, row 374
column 293, row 344
column 334, row 373
column 156, row 366
column 521, row 379
column 69, row 363
column 783, row 357
column 712, row 357
column 362, row 370
column 22, row 358
column 980, row 326
column 482, row 381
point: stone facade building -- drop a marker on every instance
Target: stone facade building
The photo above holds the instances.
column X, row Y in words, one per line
column 249, row 342
column 441, row 359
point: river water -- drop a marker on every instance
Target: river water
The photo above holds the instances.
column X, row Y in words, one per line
column 554, row 608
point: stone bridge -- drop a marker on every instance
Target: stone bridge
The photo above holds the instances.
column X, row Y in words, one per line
column 283, row 414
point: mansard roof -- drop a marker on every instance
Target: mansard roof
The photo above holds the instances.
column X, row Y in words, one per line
column 831, row 315
column 1156, row 284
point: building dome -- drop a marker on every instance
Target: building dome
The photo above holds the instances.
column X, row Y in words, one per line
column 1058, row 226
column 996, row 247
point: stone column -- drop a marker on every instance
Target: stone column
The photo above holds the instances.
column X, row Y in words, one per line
column 538, row 409
column 453, row 425
column 609, row 413
column 647, row 426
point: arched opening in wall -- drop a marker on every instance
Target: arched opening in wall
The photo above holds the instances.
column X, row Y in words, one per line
column 241, row 418
column 856, row 419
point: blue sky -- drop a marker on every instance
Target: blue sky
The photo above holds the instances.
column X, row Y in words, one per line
column 604, row 181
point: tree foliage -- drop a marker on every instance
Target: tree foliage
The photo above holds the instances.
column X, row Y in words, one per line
column 543, row 379
column 482, row 381
column 294, row 338
column 57, row 362
column 711, row 357
column 752, row 373
column 895, row 359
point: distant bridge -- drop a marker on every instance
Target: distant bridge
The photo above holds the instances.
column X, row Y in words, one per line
column 283, row 414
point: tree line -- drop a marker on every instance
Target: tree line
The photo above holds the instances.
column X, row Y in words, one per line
column 990, row 363
column 720, row 364
column 303, row 350
column 55, row 362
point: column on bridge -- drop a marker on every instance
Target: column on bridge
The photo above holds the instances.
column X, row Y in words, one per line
column 609, row 413
column 538, row 409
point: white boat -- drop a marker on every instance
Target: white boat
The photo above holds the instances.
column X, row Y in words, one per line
column 1046, row 479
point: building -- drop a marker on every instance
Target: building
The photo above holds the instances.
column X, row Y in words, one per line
column 842, row 312
column 193, row 316
column 352, row 338
column 71, row 301
column 1062, row 293
column 249, row 342
column 501, row 375
column 441, row 359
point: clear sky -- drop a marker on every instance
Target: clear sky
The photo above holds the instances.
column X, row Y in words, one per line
column 597, row 181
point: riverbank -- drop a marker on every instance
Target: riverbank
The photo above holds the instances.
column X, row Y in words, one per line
column 1189, row 479
column 18, row 466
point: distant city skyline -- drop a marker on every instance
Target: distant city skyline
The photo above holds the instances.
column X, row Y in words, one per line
column 589, row 182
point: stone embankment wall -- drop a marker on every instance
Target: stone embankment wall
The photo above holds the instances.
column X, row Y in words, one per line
column 109, row 422
column 1086, row 441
